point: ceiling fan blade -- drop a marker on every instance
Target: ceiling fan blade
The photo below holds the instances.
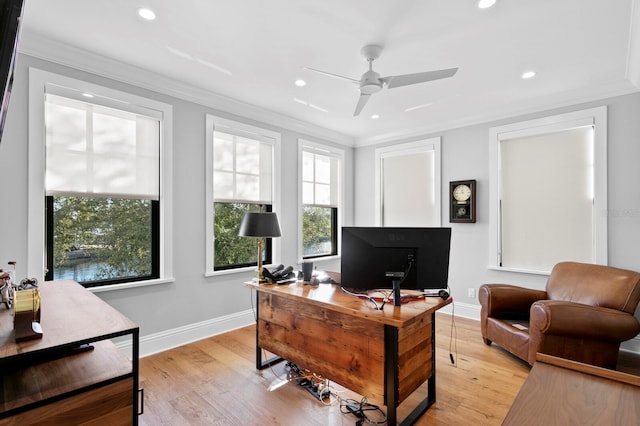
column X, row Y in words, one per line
column 394, row 81
column 332, row 75
column 361, row 103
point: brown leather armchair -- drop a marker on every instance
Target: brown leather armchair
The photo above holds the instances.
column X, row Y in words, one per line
column 585, row 313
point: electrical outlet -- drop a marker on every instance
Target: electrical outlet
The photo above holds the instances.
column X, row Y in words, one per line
column 471, row 292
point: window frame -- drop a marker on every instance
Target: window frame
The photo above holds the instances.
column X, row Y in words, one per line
column 267, row 246
column 231, row 126
column 155, row 247
column 337, row 213
column 597, row 117
column 39, row 82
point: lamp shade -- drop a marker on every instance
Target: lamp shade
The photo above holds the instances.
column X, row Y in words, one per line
column 259, row 224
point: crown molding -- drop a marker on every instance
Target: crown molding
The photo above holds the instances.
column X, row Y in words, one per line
column 37, row 46
column 633, row 50
column 547, row 103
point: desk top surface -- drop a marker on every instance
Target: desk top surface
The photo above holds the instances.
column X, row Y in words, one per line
column 70, row 314
column 332, row 296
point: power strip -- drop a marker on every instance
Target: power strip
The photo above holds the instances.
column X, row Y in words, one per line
column 320, row 391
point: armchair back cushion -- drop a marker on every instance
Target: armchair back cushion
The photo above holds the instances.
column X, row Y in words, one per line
column 595, row 285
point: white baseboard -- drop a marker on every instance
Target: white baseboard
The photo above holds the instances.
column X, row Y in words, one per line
column 632, row 345
column 165, row 340
column 461, row 309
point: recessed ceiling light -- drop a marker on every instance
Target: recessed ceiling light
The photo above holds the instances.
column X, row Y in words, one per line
column 87, row 95
column 485, row 4
column 147, row 14
column 375, row 116
column 528, row 74
column 300, row 82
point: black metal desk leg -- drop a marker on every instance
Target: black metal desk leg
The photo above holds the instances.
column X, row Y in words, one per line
column 391, row 377
column 431, row 382
column 391, row 372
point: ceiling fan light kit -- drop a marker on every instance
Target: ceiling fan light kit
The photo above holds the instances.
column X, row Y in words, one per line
column 371, row 82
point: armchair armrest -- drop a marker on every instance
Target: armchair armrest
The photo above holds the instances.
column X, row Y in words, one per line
column 503, row 300
column 576, row 320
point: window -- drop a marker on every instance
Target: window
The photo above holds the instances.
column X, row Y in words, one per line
column 321, row 172
column 240, row 160
column 548, row 187
column 408, row 184
column 102, row 187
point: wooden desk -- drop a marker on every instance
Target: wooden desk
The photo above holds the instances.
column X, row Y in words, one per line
column 40, row 386
column 383, row 355
column 564, row 392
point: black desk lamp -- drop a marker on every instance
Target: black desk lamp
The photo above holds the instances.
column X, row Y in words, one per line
column 260, row 225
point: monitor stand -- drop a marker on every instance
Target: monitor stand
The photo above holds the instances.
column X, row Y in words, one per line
column 396, row 279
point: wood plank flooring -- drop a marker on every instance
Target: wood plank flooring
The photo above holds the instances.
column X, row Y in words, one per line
column 214, row 382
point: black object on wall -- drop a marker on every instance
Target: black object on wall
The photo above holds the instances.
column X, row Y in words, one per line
column 10, row 16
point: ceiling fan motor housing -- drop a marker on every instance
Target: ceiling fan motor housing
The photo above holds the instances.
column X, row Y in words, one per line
column 370, row 83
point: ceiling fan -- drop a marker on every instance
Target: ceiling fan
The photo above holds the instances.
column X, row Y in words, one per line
column 371, row 82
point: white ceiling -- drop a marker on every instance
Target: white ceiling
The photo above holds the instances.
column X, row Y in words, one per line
column 253, row 51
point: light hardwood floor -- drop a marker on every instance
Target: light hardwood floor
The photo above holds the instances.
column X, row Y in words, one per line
column 214, row 382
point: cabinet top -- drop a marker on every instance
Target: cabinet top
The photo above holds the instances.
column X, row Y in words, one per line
column 70, row 315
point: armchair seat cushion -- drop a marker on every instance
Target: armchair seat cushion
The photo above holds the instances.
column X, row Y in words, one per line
column 512, row 338
column 584, row 314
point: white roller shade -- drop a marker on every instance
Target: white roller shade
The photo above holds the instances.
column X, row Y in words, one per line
column 408, row 190
column 320, row 180
column 96, row 150
column 242, row 169
column 547, row 199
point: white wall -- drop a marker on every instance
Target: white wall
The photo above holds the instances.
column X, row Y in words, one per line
column 465, row 155
column 192, row 298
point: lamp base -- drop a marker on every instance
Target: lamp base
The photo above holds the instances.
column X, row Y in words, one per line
column 259, row 274
column 259, row 277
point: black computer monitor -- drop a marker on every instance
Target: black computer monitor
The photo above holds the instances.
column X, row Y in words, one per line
column 379, row 257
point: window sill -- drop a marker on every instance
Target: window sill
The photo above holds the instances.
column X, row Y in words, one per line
column 518, row 270
column 134, row 284
column 251, row 269
column 319, row 259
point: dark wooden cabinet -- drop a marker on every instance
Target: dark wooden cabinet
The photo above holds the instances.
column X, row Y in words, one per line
column 58, row 379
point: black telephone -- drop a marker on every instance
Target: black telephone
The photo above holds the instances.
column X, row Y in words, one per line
column 279, row 274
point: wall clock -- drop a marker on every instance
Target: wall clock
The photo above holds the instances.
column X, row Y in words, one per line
column 462, row 201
